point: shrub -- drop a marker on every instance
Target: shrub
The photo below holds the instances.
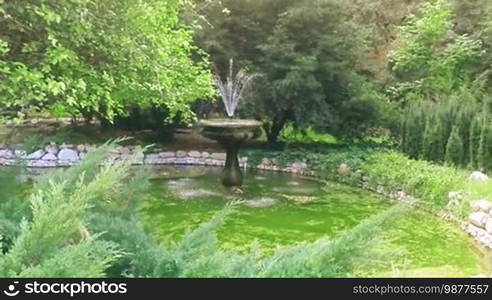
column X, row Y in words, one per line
column 13, row 206
column 141, row 256
column 65, row 248
column 43, row 244
column 428, row 182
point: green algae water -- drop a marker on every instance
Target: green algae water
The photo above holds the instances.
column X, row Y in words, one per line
column 281, row 210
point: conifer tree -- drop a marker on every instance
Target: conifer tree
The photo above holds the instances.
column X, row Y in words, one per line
column 465, row 118
column 432, row 144
column 454, row 148
column 414, row 125
column 482, row 148
column 474, row 144
column 485, row 150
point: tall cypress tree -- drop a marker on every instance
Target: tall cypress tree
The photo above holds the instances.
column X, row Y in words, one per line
column 446, row 116
column 432, row 145
column 413, row 128
column 474, row 144
column 454, row 148
column 486, row 147
column 464, row 119
column 483, row 150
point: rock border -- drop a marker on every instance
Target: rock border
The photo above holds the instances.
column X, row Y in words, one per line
column 479, row 223
column 65, row 155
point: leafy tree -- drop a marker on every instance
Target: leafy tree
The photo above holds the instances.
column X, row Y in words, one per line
column 307, row 63
column 307, row 52
column 378, row 22
column 474, row 18
column 430, row 60
column 97, row 58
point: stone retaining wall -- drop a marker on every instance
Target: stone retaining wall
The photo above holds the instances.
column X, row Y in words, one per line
column 480, row 222
column 65, row 155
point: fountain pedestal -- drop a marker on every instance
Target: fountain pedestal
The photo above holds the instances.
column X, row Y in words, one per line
column 231, row 133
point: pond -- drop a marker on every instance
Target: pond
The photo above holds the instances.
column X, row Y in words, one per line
column 284, row 209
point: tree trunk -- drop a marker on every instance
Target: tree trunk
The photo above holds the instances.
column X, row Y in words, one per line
column 88, row 116
column 273, row 130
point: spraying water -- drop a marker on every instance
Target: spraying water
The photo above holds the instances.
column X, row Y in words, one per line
column 231, row 90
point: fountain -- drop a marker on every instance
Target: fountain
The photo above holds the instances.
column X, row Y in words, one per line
column 231, row 133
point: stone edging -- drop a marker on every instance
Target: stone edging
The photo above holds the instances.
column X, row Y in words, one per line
column 64, row 155
column 480, row 222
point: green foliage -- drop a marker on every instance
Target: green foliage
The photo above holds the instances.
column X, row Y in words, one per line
column 454, row 148
column 13, row 207
column 43, row 248
column 419, row 35
column 367, row 109
column 298, row 83
column 40, row 241
column 430, row 183
column 141, row 256
column 413, row 125
column 485, row 147
column 308, row 135
column 432, row 142
column 429, row 129
column 475, row 132
column 87, row 258
column 308, row 53
column 84, row 57
column 429, row 61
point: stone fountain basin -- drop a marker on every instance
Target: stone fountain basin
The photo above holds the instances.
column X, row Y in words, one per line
column 231, row 133
column 231, row 129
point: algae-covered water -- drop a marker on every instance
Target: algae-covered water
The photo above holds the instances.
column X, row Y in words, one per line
column 283, row 209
